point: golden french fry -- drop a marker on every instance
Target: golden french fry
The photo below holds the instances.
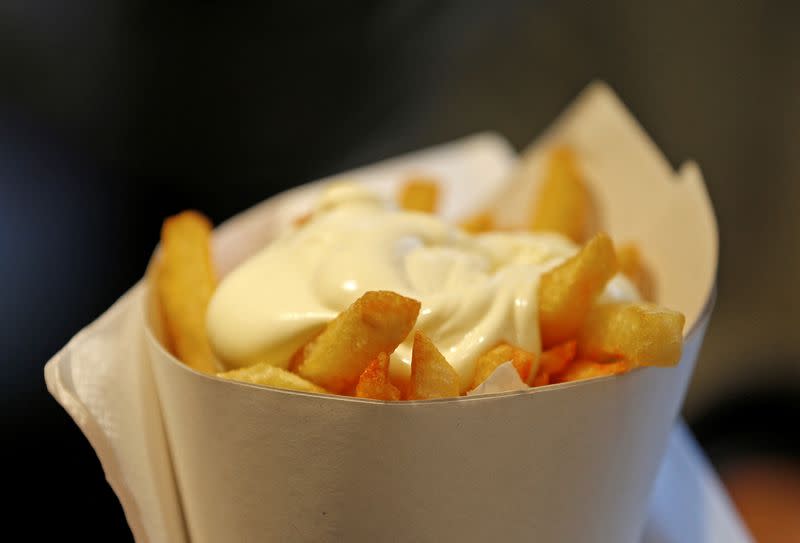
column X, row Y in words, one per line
column 185, row 281
column 553, row 361
column 419, row 194
column 642, row 333
column 563, row 204
column 375, row 323
column 265, row 374
column 633, row 266
column 490, row 360
column 481, row 222
column 431, row 375
column 374, row 382
column 567, row 292
column 588, row 369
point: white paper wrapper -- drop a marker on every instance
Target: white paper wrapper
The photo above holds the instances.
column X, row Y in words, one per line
column 505, row 378
column 572, row 462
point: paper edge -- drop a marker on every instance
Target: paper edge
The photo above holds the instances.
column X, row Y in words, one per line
column 690, row 176
column 693, row 455
column 687, row 460
column 109, row 461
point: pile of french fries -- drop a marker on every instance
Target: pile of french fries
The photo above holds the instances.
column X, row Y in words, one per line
column 581, row 338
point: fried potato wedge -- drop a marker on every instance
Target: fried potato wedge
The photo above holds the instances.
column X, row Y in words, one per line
column 375, row 323
column 567, row 292
column 419, row 194
column 480, row 222
column 563, row 204
column 265, row 374
column 553, row 361
column 184, row 281
column 374, row 381
column 642, row 333
column 588, row 369
column 431, row 375
column 488, row 362
column 633, row 266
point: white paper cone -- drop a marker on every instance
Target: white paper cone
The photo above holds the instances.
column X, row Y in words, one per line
column 573, row 462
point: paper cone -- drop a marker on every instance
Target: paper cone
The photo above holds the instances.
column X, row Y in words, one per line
column 571, row 462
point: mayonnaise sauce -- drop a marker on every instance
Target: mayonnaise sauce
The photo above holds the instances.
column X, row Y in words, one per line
column 476, row 290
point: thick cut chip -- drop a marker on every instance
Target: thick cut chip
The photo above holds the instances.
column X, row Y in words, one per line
column 431, row 375
column 481, row 222
column 489, row 361
column 633, row 266
column 375, row 323
column 419, row 194
column 553, row 361
column 567, row 292
column 642, row 333
column 265, row 374
column 185, row 281
column 588, row 369
column 374, row 382
column 563, row 204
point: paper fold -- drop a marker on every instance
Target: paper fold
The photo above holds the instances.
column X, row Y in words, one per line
column 102, row 378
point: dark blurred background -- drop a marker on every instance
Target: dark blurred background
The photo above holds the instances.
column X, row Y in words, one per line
column 115, row 114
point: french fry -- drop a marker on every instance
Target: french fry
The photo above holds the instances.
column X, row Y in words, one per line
column 563, row 204
column 419, row 194
column 374, row 381
column 556, row 359
column 540, row 380
column 567, row 292
column 490, row 360
column 553, row 361
column 631, row 264
column 375, row 323
column 185, row 281
column 302, row 353
column 480, row 222
column 265, row 374
column 431, row 375
column 641, row 333
column 588, row 369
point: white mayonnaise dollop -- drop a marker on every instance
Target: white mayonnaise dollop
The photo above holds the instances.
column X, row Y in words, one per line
column 476, row 290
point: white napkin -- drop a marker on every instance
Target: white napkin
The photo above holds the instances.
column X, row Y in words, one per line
column 103, row 379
